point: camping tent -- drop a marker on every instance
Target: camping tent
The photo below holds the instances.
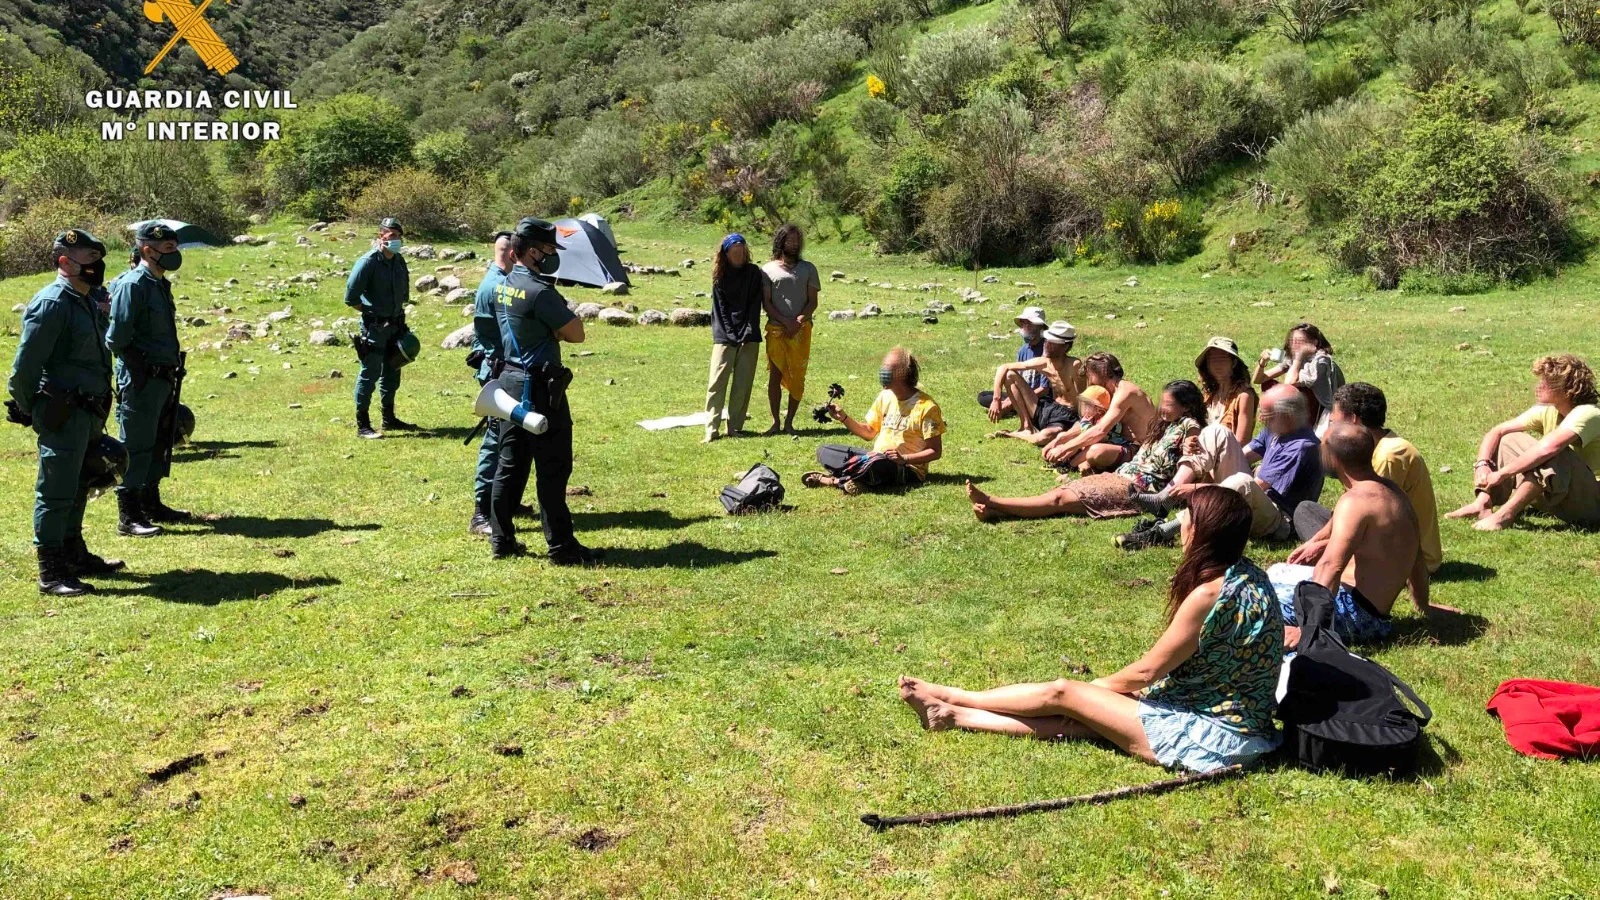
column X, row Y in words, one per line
column 600, row 223
column 189, row 236
column 587, row 258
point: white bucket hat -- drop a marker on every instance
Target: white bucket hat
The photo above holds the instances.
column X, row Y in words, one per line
column 1033, row 315
column 1061, row 333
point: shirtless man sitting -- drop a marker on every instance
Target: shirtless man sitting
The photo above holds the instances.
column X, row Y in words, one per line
column 1373, row 548
column 1130, row 407
column 1042, row 417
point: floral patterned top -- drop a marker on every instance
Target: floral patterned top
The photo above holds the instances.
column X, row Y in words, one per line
column 1155, row 463
column 1233, row 676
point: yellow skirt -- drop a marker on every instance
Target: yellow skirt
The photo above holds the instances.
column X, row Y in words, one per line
column 790, row 356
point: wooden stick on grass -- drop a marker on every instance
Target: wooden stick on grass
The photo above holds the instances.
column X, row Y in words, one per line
column 883, row 823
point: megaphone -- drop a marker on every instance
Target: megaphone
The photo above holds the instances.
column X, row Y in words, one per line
column 494, row 401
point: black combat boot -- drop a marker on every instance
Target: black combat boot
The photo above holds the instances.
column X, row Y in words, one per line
column 156, row 511
column 130, row 517
column 364, row 427
column 392, row 422
column 480, row 519
column 507, row 549
column 576, row 555
column 85, row 563
column 55, row 576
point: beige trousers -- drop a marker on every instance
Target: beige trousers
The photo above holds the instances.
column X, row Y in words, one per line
column 735, row 363
column 1220, row 456
column 1570, row 492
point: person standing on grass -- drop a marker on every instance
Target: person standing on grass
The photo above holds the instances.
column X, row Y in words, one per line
column 486, row 346
column 1031, row 325
column 1201, row 698
column 1545, row 458
column 739, row 291
column 1307, row 360
column 144, row 335
column 61, row 385
column 904, row 425
column 378, row 288
column 1395, row 458
column 790, row 309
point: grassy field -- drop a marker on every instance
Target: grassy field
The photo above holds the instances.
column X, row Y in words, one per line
column 376, row 709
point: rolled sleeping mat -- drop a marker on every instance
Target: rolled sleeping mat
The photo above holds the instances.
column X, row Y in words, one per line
column 494, row 401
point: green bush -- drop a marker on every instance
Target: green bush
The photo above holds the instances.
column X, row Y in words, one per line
column 944, row 65
column 1429, row 50
column 1170, row 21
column 447, row 154
column 324, row 147
column 1455, row 194
column 783, row 76
column 1288, row 86
column 26, row 239
column 1525, row 80
column 878, row 120
column 1311, row 158
column 608, row 158
column 1161, row 231
column 428, row 205
column 895, row 213
column 1182, row 115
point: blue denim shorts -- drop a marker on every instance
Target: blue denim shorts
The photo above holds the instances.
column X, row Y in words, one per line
column 1198, row 742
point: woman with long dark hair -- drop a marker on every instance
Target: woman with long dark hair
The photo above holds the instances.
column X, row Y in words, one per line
column 1306, row 360
column 1201, row 698
column 1108, row 495
column 739, row 289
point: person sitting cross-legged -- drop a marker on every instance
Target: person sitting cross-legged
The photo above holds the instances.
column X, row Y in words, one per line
column 1290, row 472
column 1130, row 408
column 1043, row 417
column 1545, row 458
column 1373, row 548
column 904, row 425
column 1107, row 495
column 1031, row 325
column 1201, row 698
column 1396, row 459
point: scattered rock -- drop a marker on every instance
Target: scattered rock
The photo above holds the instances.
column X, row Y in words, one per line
column 840, row 571
column 686, row 264
column 1023, row 284
column 870, row 310
column 302, row 241
column 1110, row 316
column 836, row 276
column 249, row 239
column 195, row 322
column 297, row 801
column 1445, row 470
column 652, row 317
column 418, row 251
column 1263, row 304
column 1142, row 325
column 460, row 339
column 450, row 282
column 689, row 318
column 1458, row 309
column 281, row 315
column 1131, row 282
column 426, row 283
column 317, row 226
column 991, row 279
column 456, row 295
column 615, row 289
column 616, row 317
column 1463, row 346
column 323, row 339
column 228, row 375
column 589, row 311
column 335, row 373
column 842, row 315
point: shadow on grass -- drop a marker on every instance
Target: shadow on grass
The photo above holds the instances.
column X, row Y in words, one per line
column 1455, row 570
column 1447, row 631
column 262, row 527
column 206, row 588
column 453, row 432
column 679, row 555
column 199, row 450
column 936, row 479
column 639, row 518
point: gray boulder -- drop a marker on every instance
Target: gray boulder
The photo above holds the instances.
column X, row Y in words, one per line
column 842, row 315
column 615, row 289
column 652, row 317
column 688, row 318
column 450, row 282
column 425, row 283
column 460, row 339
column 456, row 295
column 589, row 311
column 616, row 317
column 323, row 338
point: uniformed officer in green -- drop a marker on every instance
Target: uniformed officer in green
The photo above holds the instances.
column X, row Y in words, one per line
column 62, row 379
column 379, row 286
column 144, row 336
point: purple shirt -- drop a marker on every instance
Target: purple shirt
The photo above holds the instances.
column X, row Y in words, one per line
column 1291, row 467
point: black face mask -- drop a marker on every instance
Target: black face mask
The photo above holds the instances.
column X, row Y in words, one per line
column 94, row 273
column 169, row 262
column 549, row 263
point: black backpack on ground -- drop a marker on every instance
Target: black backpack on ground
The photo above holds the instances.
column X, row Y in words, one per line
column 1339, row 710
column 758, row 490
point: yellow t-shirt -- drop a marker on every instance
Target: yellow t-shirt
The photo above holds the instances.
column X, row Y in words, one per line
column 1583, row 420
column 906, row 427
column 1397, row 459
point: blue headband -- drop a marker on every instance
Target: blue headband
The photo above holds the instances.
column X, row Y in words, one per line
column 730, row 240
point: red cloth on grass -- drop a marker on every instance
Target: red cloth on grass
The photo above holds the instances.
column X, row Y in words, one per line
column 1549, row 719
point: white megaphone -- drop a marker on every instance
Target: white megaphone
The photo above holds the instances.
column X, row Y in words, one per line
column 494, row 401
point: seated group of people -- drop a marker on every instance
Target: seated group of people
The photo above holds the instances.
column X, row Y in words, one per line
column 1203, row 696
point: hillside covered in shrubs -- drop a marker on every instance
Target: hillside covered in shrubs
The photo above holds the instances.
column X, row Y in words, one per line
column 1444, row 143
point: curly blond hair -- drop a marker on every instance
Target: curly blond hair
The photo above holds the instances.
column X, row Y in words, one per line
column 1568, row 374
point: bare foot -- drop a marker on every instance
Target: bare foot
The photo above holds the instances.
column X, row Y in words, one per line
column 932, row 712
column 1002, row 433
column 710, row 436
column 1490, row 523
column 975, row 495
column 1476, row 508
column 775, row 429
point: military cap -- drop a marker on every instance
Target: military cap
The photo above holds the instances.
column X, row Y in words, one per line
column 539, row 230
column 155, row 231
column 77, row 237
column 393, row 224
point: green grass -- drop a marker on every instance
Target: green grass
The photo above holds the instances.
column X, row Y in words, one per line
column 715, row 701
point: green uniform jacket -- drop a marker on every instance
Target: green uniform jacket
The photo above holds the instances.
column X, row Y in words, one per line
column 63, row 343
column 144, row 321
column 377, row 286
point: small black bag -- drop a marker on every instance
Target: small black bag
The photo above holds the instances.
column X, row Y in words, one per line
column 1339, row 710
column 758, row 490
